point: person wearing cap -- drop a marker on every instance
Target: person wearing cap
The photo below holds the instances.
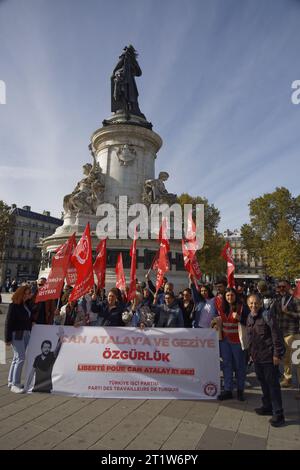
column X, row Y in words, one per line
column 267, row 296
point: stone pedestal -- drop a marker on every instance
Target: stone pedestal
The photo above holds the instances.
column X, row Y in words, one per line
column 126, row 154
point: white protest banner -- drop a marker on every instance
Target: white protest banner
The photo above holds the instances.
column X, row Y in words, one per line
column 168, row 363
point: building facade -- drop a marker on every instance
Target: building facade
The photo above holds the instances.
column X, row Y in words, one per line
column 245, row 266
column 22, row 254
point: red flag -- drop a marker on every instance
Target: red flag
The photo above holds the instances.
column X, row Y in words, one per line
column 100, row 264
column 52, row 288
column 163, row 243
column 190, row 238
column 190, row 261
column 163, row 236
column 120, row 283
column 162, row 265
column 71, row 275
column 82, row 260
column 189, row 249
column 296, row 292
column 227, row 255
column 132, row 285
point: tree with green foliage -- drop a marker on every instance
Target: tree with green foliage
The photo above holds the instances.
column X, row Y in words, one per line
column 274, row 232
column 209, row 257
column 282, row 252
column 5, row 224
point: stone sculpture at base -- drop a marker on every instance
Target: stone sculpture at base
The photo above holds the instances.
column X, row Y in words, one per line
column 155, row 191
column 88, row 193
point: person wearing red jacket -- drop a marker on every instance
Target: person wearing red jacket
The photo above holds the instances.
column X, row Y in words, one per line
column 232, row 312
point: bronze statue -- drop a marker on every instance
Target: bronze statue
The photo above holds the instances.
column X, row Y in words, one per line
column 124, row 92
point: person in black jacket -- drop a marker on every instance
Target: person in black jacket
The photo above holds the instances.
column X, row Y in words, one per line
column 17, row 334
column 169, row 314
column 266, row 348
column 110, row 310
column 187, row 307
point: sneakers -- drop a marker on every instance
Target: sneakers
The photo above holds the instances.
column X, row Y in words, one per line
column 262, row 411
column 226, row 395
column 286, row 383
column 240, row 395
column 277, row 421
column 16, row 389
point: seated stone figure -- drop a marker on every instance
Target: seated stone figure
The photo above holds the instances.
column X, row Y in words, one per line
column 155, row 191
column 88, row 192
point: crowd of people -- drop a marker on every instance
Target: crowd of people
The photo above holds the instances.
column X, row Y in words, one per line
column 256, row 324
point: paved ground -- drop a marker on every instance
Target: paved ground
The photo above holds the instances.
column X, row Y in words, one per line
column 56, row 422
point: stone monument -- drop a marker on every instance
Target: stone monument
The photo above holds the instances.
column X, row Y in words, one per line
column 123, row 153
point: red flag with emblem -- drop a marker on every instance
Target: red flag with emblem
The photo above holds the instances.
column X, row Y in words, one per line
column 54, row 284
column 163, row 234
column 190, row 261
column 100, row 264
column 82, row 260
column 120, row 283
column 190, row 238
column 227, row 255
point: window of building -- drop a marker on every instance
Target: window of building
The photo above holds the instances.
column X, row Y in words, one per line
column 149, row 256
column 112, row 256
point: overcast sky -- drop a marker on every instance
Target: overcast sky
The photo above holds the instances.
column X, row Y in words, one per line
column 216, row 85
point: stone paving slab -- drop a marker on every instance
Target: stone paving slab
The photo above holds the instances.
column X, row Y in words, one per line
column 46, row 440
column 133, row 425
column 247, row 442
column 214, row 438
column 20, row 435
column 282, row 444
column 254, row 425
column 154, row 436
column 40, row 421
column 227, row 418
column 185, row 437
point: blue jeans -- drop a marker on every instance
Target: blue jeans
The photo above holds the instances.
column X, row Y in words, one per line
column 19, row 348
column 233, row 359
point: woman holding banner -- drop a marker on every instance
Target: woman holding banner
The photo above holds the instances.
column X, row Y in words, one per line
column 17, row 333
